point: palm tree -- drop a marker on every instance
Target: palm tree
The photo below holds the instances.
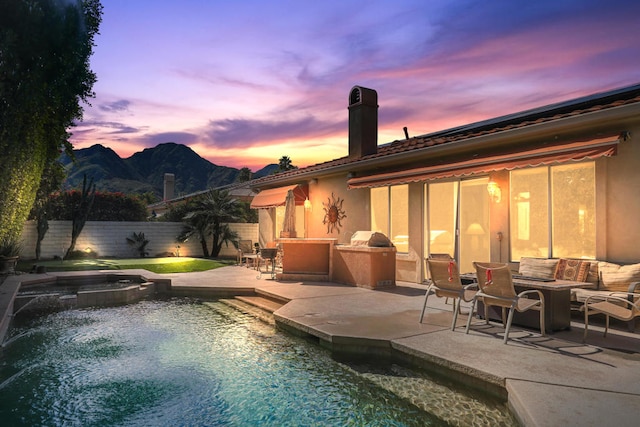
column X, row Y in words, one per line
column 284, row 164
column 210, row 217
column 139, row 242
column 244, row 175
column 195, row 225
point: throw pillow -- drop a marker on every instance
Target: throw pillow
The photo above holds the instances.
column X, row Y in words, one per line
column 572, row 269
column 616, row 278
column 542, row 268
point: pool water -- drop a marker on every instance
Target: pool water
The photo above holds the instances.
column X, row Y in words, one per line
column 181, row 362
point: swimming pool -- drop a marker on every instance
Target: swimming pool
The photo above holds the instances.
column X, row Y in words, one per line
column 182, row 362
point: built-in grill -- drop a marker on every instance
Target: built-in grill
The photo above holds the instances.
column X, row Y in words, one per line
column 370, row 238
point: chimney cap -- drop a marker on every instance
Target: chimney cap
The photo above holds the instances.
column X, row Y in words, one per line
column 362, row 95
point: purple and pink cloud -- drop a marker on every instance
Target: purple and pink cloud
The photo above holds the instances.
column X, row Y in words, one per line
column 245, row 83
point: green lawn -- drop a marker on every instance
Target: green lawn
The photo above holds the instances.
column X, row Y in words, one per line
column 156, row 265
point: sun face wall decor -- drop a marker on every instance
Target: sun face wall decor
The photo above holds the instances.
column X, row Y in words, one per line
column 333, row 213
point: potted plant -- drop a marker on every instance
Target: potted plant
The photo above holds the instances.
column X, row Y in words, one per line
column 9, row 253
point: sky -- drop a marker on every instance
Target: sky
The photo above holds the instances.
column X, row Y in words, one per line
column 245, row 82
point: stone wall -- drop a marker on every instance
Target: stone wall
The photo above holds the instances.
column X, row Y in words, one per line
column 108, row 239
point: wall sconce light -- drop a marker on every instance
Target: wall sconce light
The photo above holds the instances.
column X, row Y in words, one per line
column 495, row 194
column 307, row 204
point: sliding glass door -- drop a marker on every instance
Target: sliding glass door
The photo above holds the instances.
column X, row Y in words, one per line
column 457, row 221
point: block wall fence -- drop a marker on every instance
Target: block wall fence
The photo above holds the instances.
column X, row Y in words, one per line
column 109, row 239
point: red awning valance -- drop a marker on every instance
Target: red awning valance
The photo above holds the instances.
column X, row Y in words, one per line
column 276, row 196
column 561, row 153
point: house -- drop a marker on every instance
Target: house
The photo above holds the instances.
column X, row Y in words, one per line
column 561, row 180
column 239, row 191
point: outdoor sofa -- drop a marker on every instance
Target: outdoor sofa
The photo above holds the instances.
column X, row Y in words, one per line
column 608, row 278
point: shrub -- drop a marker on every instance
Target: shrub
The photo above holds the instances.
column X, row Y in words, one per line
column 86, row 254
column 10, row 247
column 139, row 243
column 107, row 206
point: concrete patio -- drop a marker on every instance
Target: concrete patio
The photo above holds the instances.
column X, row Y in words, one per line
column 547, row 381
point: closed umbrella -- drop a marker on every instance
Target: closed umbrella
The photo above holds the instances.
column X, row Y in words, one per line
column 289, row 224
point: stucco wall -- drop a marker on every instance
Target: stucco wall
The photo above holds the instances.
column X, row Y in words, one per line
column 266, row 219
column 356, row 207
column 409, row 265
column 109, row 238
column 621, row 191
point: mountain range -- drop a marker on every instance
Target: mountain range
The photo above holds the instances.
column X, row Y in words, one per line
column 144, row 171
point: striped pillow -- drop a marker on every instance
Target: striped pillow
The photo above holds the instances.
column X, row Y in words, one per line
column 542, row 268
column 616, row 278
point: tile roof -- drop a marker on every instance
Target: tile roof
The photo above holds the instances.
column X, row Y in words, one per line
column 592, row 103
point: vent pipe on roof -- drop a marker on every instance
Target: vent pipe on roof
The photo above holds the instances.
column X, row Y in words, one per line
column 363, row 122
column 406, row 132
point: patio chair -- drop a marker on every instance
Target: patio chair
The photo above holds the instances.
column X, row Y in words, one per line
column 268, row 257
column 245, row 253
column 446, row 283
column 445, row 257
column 617, row 306
column 496, row 288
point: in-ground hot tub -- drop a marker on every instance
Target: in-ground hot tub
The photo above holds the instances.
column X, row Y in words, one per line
column 82, row 290
column 368, row 262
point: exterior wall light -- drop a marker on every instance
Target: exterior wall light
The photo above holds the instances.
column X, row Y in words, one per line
column 307, row 204
column 495, row 194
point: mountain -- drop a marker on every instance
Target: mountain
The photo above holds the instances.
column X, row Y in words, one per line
column 144, row 171
column 270, row 169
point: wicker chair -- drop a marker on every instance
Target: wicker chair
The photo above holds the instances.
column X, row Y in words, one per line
column 496, row 288
column 446, row 283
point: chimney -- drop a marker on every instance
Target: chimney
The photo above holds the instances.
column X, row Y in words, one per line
column 169, row 186
column 363, row 122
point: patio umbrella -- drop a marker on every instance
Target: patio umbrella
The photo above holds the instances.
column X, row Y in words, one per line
column 289, row 223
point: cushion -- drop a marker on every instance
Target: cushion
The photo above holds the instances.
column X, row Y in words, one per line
column 580, row 295
column 616, row 278
column 542, row 268
column 572, row 269
column 593, row 276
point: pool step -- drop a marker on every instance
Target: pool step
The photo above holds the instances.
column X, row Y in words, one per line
column 263, row 302
column 259, row 307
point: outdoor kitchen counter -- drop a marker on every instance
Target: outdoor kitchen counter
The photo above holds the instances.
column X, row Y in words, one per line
column 365, row 266
column 307, row 259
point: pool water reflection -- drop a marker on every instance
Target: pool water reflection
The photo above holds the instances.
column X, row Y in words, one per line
column 181, row 362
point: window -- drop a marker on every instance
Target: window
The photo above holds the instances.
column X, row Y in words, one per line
column 390, row 214
column 553, row 211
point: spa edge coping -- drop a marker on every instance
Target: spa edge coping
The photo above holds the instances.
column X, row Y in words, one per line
column 10, row 285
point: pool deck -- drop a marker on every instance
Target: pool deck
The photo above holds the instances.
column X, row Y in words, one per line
column 549, row 381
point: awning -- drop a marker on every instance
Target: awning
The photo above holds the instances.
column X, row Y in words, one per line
column 560, row 153
column 276, row 196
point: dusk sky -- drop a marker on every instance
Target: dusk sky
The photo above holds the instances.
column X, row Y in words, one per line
column 244, row 83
